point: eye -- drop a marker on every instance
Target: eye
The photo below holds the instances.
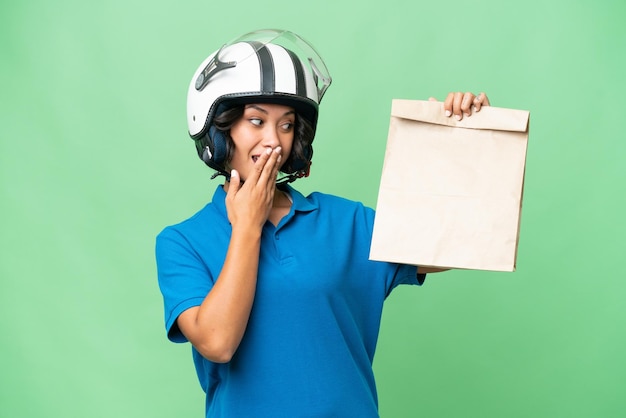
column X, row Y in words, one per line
column 287, row 126
column 256, row 121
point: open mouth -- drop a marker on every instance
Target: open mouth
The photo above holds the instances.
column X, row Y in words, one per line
column 255, row 158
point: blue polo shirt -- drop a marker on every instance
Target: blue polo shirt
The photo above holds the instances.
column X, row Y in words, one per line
column 310, row 341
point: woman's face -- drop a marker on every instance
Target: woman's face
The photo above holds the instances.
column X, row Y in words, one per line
column 262, row 126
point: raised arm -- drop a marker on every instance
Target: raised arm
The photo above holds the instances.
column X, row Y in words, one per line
column 216, row 327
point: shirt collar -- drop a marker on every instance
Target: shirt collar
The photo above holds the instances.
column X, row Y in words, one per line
column 300, row 203
column 219, row 200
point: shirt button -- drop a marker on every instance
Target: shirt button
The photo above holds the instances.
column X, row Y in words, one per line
column 277, row 236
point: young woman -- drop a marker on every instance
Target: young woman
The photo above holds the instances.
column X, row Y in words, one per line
column 274, row 289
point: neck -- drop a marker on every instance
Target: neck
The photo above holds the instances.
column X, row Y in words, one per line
column 281, row 199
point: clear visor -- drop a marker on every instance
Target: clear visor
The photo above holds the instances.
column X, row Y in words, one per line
column 288, row 40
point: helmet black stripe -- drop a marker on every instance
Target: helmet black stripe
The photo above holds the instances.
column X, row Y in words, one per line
column 267, row 67
column 300, row 79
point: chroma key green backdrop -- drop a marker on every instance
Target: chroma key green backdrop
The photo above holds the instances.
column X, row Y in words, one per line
column 95, row 160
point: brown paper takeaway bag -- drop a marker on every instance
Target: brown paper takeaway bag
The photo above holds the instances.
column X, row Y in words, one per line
column 451, row 191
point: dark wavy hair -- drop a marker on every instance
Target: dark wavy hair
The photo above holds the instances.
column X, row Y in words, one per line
column 301, row 150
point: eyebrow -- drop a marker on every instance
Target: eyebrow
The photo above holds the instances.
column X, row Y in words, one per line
column 260, row 109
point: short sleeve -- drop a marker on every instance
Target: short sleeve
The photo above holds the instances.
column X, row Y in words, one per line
column 184, row 281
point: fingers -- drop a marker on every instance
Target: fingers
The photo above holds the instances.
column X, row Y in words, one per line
column 480, row 101
column 266, row 167
column 235, row 182
column 466, row 103
column 249, row 203
column 234, row 185
column 462, row 104
column 448, row 104
column 259, row 166
column 456, row 104
column 270, row 170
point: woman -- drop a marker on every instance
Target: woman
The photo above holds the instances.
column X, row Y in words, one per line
column 274, row 289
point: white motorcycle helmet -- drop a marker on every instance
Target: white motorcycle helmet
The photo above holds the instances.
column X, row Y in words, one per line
column 264, row 66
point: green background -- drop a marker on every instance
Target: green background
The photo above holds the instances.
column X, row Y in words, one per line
column 95, row 161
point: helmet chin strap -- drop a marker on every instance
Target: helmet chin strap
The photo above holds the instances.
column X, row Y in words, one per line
column 297, row 175
column 287, row 178
column 220, row 172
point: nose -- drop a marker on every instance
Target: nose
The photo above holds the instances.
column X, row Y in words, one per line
column 271, row 139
